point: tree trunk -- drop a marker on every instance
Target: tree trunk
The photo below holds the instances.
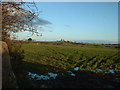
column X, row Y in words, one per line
column 8, row 77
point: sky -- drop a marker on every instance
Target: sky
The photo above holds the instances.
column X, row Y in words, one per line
column 77, row 21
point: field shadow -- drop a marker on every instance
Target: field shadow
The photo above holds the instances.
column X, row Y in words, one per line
column 82, row 79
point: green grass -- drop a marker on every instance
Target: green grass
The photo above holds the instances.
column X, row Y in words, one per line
column 67, row 56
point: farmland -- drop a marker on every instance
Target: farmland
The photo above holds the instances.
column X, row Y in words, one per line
column 68, row 56
column 61, row 59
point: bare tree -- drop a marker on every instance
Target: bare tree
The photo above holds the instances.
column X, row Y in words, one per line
column 17, row 19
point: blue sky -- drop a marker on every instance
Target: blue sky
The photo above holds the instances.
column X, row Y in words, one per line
column 78, row 21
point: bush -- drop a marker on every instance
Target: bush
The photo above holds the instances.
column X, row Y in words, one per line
column 17, row 56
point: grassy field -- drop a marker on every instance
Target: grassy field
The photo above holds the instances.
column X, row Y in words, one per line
column 67, row 56
column 95, row 63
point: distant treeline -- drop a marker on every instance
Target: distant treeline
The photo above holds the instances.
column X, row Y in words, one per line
column 60, row 42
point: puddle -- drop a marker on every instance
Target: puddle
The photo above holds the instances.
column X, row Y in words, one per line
column 38, row 77
column 71, row 73
column 42, row 77
column 111, row 71
column 76, row 68
column 51, row 75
